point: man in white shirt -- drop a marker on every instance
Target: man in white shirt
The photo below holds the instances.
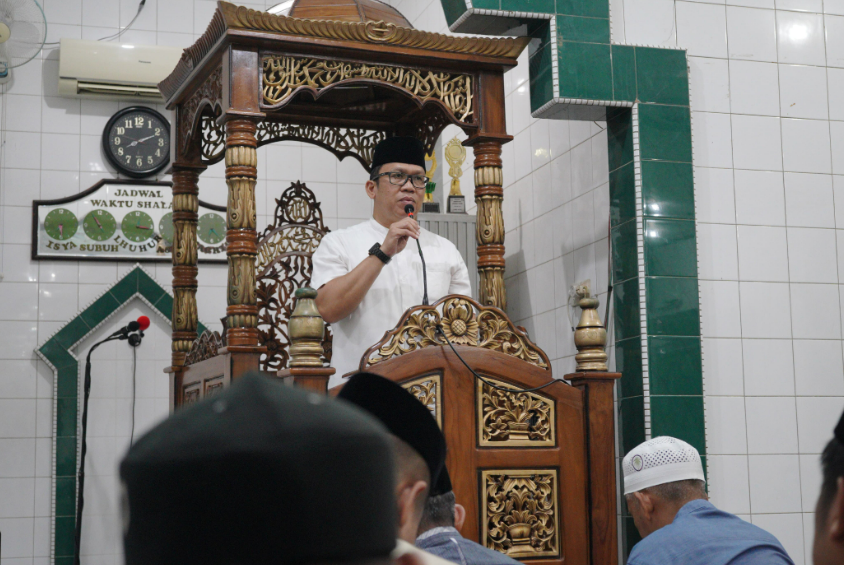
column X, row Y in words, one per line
column 368, row 275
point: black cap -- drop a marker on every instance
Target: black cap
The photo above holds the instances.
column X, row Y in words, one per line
column 839, row 430
column 402, row 414
column 443, row 484
column 260, row 473
column 399, row 150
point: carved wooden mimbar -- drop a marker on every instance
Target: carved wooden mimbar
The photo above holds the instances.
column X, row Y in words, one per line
column 531, row 458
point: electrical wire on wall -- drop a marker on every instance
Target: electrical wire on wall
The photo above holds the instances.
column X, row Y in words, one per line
column 117, row 34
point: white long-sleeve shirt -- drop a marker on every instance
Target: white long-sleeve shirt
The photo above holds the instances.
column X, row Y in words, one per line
column 398, row 287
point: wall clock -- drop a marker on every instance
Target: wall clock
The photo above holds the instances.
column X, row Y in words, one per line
column 118, row 220
column 136, row 141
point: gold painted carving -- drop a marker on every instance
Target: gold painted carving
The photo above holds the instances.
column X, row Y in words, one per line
column 465, row 322
column 283, row 75
column 490, row 222
column 241, row 288
column 190, row 394
column 428, row 391
column 343, row 142
column 213, row 386
column 241, row 203
column 205, row 347
column 491, row 285
column 307, row 329
column 209, row 94
column 455, row 154
column 485, row 176
column 184, row 310
column 184, row 248
column 590, row 337
column 520, row 514
column 514, row 419
column 213, row 137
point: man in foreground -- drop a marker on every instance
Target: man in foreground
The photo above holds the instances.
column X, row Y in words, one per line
column 665, row 493
column 828, row 548
column 418, row 443
column 261, row 473
column 369, row 274
column 439, row 531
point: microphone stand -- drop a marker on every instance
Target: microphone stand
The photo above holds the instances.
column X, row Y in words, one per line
column 134, row 340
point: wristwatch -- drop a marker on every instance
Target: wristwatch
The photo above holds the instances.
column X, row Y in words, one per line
column 376, row 250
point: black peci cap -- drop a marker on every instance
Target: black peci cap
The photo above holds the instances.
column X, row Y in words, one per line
column 443, row 484
column 398, row 150
column 260, row 473
column 403, row 415
column 839, row 430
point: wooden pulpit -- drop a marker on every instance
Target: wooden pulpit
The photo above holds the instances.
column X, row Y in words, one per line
column 531, row 458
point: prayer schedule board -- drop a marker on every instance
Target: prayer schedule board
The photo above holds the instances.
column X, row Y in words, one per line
column 118, row 220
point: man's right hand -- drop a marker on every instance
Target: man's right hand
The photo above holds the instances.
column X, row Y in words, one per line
column 398, row 235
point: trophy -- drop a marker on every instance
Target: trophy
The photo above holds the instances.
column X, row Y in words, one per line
column 428, row 205
column 455, row 154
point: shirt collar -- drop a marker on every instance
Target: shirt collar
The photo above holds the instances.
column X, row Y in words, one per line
column 435, row 531
column 692, row 506
column 379, row 229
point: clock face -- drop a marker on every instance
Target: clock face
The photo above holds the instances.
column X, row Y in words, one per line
column 99, row 225
column 137, row 226
column 211, row 228
column 61, row 224
column 137, row 141
column 165, row 227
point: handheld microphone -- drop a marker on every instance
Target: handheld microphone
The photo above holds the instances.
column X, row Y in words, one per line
column 409, row 209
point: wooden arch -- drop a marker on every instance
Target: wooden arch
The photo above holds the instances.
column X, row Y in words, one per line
column 255, row 78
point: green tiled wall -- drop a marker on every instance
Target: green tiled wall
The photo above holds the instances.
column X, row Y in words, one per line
column 653, row 239
column 57, row 352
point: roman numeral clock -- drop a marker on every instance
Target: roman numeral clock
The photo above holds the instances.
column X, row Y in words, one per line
column 125, row 219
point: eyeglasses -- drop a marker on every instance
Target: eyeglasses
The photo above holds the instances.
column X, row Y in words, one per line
column 398, row 178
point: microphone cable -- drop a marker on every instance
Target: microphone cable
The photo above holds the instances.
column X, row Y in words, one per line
column 483, row 380
column 409, row 210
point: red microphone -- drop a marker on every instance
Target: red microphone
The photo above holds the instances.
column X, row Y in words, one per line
column 143, row 323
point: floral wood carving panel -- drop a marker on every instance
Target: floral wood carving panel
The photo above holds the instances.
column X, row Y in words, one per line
column 283, row 75
column 520, row 515
column 427, row 390
column 465, row 322
column 514, row 419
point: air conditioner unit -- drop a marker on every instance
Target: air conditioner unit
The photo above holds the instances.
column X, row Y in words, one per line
column 115, row 71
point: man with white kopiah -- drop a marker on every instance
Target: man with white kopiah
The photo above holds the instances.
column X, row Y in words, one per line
column 664, row 488
column 369, row 274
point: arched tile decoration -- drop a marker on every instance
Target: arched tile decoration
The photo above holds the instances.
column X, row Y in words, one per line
column 56, row 352
column 576, row 72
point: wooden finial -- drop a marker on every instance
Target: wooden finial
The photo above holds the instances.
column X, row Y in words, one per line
column 590, row 338
column 307, row 329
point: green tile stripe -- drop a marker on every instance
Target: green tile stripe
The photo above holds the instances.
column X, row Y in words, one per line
column 56, row 351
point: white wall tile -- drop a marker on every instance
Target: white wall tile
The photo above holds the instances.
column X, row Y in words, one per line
column 800, row 38
column 725, row 431
column 816, row 419
column 713, row 144
column 826, row 324
column 803, row 92
column 805, row 146
column 834, row 40
column 809, row 200
column 835, row 91
column 709, row 81
column 836, row 132
column 649, row 22
column 753, row 34
column 722, row 367
column 754, row 87
column 772, row 480
column 729, row 489
column 702, row 29
column 818, row 368
column 768, row 367
column 719, row 314
column 771, row 425
column 762, row 253
column 765, row 310
column 760, row 198
column 756, row 143
column 812, row 255
column 714, row 196
column 717, row 253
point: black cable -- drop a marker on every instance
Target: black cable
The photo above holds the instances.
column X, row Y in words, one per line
column 424, row 275
column 134, row 393
column 483, row 380
column 80, row 501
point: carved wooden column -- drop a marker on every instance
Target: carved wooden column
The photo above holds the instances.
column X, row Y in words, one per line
column 185, row 207
column 489, row 194
column 242, row 240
